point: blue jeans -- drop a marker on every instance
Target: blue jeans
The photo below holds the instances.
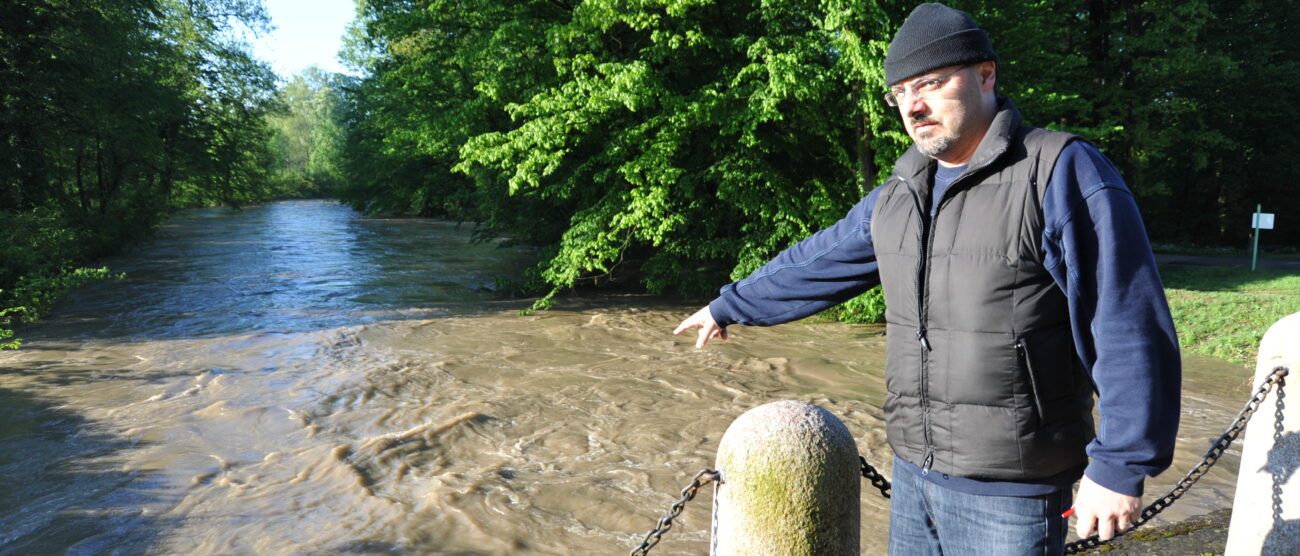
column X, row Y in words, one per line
column 925, row 518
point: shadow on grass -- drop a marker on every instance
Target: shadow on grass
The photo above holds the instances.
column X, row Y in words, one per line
column 1230, row 279
column 63, row 491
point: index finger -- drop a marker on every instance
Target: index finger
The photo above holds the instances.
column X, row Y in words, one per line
column 684, row 325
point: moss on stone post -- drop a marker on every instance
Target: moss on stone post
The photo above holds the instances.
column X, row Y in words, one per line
column 790, row 484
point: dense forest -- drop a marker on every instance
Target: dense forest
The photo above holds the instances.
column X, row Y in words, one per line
column 680, row 143
column 113, row 113
column 665, row 144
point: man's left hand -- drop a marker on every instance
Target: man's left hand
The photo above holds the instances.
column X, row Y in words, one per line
column 1103, row 511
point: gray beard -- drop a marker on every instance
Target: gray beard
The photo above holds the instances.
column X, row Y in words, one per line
column 935, row 146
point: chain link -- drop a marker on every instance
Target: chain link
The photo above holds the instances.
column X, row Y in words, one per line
column 1217, row 448
column 877, row 480
column 704, row 477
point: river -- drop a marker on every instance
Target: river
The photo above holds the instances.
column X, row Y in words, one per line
column 296, row 378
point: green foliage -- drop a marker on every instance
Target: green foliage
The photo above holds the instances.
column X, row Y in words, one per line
column 663, row 141
column 8, row 315
column 112, row 114
column 30, row 241
column 682, row 143
column 308, row 137
column 33, row 298
column 1177, row 94
column 866, row 308
column 129, row 108
column 5, row 334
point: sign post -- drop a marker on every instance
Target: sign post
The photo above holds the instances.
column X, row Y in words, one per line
column 1259, row 221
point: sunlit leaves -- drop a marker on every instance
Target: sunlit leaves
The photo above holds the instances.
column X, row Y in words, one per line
column 673, row 126
column 682, row 142
column 309, row 135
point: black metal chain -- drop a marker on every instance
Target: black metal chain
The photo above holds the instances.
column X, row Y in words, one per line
column 1211, row 457
column 704, row 477
column 877, row 480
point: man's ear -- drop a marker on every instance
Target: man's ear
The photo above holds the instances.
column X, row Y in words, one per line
column 988, row 72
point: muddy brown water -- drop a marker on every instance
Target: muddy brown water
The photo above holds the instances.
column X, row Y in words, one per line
column 296, row 378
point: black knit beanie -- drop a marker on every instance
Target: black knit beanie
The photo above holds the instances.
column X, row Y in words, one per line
column 935, row 36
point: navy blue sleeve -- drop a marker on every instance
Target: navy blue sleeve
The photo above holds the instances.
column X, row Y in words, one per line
column 1098, row 252
column 829, row 267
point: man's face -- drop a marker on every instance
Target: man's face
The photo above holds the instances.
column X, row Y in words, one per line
column 942, row 111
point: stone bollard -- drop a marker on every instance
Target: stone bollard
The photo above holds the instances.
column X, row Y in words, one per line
column 790, row 484
column 1266, row 511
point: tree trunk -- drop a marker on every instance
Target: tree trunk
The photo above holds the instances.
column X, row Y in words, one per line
column 866, row 155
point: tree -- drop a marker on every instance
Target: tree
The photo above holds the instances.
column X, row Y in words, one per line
column 111, row 115
column 683, row 142
column 309, row 134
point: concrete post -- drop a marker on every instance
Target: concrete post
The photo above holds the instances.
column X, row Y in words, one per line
column 790, row 484
column 1266, row 511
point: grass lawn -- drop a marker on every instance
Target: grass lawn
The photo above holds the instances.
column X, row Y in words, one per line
column 1224, row 311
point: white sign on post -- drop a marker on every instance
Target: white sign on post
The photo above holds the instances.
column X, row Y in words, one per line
column 1262, row 220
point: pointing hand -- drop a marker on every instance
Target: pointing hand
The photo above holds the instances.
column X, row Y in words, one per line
column 708, row 328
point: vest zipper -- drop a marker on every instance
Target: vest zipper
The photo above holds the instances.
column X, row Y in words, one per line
column 922, row 274
column 923, row 278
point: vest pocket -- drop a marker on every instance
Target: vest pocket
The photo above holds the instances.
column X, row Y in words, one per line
column 1022, row 353
column 1048, row 365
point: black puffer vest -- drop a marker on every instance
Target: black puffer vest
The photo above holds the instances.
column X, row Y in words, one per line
column 981, row 371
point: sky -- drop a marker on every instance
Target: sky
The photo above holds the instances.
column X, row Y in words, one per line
column 306, row 32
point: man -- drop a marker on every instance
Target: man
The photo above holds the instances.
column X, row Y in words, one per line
column 1018, row 280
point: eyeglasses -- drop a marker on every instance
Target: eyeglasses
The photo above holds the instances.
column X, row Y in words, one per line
column 922, row 88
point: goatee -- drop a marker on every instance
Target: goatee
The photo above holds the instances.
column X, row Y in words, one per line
column 933, row 146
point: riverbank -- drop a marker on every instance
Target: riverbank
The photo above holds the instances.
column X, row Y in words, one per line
column 1223, row 311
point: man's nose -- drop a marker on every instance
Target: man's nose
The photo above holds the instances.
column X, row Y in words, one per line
column 914, row 104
